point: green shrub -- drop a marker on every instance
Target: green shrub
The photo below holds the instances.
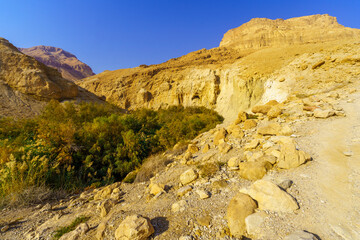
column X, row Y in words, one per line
column 73, row 146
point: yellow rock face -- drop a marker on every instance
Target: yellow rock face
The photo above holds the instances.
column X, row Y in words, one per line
column 263, row 32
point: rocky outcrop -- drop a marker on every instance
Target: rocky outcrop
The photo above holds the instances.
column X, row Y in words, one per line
column 66, row 63
column 28, row 76
column 264, row 32
column 229, row 80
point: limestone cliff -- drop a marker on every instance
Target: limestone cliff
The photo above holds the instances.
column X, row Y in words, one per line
column 25, row 83
column 263, row 32
column 230, row 79
column 66, row 63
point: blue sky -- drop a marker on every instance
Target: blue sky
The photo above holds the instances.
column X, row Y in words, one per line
column 114, row 34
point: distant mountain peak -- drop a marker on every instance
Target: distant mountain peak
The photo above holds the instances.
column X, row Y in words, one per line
column 65, row 62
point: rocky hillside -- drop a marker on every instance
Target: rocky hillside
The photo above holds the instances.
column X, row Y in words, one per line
column 228, row 79
column 260, row 177
column 263, row 32
column 66, row 63
column 26, row 84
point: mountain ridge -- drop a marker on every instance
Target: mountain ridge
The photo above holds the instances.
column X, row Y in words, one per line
column 65, row 62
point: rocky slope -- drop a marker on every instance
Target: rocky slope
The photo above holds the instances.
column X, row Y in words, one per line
column 228, row 79
column 66, row 63
column 264, row 178
column 26, row 84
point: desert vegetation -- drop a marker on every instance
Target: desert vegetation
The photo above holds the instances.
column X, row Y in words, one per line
column 70, row 146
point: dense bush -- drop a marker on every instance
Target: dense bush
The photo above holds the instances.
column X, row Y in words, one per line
column 72, row 146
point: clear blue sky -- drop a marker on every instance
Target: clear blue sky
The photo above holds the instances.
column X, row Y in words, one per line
column 113, row 34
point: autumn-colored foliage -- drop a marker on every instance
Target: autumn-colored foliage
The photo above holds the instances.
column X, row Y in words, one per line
column 72, row 146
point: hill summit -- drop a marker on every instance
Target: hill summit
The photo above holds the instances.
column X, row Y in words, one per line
column 264, row 32
column 66, row 63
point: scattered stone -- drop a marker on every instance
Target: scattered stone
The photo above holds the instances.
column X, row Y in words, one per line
column 218, row 184
column 100, row 231
column 203, row 194
column 234, row 162
column 204, row 220
column 185, row 238
column 5, row 228
column 289, row 156
column 187, row 156
column 221, row 134
column 105, row 207
column 270, row 197
column 253, row 170
column 263, row 109
column 240, row 206
column 270, row 129
column 318, row 64
column 106, row 191
column 267, row 158
column 179, row 206
column 182, row 191
column 249, row 124
column 274, row 112
column 301, row 235
column 46, row 207
column 134, row 227
column 74, row 235
column 255, row 156
column 242, row 116
column 267, row 145
column 285, row 184
column 348, row 153
column 318, row 113
column 254, row 223
column 235, row 131
column 252, row 145
column 192, row 148
column 188, row 176
column 156, row 188
column 206, row 148
column 115, row 195
column 224, row 147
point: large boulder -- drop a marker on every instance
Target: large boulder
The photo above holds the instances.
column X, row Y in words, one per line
column 254, row 170
column 270, row 197
column 240, row 206
column 134, row 227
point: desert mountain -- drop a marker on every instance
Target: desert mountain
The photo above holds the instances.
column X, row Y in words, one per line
column 66, row 63
column 26, row 84
column 263, row 32
column 285, row 169
column 239, row 73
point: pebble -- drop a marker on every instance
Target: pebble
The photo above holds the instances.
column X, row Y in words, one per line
column 348, row 153
column 5, row 228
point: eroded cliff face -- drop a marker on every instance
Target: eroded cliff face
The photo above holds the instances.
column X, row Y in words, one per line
column 66, row 63
column 230, row 79
column 263, row 32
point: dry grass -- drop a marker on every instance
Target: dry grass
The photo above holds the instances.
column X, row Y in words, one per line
column 151, row 166
column 30, row 196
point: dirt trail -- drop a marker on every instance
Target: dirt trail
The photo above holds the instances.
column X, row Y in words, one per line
column 338, row 175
